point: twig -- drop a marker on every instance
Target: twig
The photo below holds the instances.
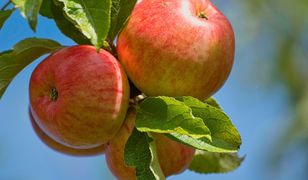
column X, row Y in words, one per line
column 112, row 47
column 5, row 5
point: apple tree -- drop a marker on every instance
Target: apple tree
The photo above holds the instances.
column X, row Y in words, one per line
column 172, row 56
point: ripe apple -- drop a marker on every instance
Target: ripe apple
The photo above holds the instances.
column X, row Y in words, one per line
column 61, row 148
column 177, row 48
column 114, row 152
column 172, row 156
column 79, row 97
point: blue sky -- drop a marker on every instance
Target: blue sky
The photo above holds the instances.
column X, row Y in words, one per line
column 258, row 113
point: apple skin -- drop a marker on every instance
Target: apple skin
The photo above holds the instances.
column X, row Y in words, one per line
column 79, row 97
column 114, row 153
column 52, row 144
column 177, row 48
column 173, row 157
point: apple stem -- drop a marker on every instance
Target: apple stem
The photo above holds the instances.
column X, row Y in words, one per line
column 54, row 94
column 112, row 48
column 136, row 100
column 202, row 15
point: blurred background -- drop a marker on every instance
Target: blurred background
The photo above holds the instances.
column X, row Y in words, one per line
column 266, row 97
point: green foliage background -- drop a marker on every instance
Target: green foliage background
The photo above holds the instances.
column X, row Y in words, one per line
column 275, row 35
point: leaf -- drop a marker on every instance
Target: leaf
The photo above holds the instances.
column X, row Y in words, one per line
column 46, row 8
column 120, row 11
column 22, row 54
column 29, row 9
column 4, row 15
column 224, row 135
column 140, row 154
column 208, row 162
column 189, row 121
column 65, row 26
column 212, row 102
column 203, row 143
column 155, row 166
column 91, row 17
column 168, row 115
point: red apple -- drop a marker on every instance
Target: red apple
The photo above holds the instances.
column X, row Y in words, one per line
column 61, row 148
column 172, row 156
column 115, row 149
column 79, row 97
column 177, row 48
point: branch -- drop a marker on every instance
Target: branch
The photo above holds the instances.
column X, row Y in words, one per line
column 112, row 48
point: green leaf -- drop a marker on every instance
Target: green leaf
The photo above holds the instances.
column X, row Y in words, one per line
column 208, row 162
column 203, row 143
column 155, row 166
column 29, row 9
column 4, row 15
column 65, row 26
column 46, row 8
column 22, row 54
column 140, row 154
column 212, row 102
column 224, row 134
column 91, row 17
column 189, row 121
column 120, row 11
column 168, row 115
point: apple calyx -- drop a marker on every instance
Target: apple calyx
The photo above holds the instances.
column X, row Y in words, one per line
column 202, row 16
column 53, row 94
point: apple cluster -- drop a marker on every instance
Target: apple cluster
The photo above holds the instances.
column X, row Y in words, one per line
column 79, row 97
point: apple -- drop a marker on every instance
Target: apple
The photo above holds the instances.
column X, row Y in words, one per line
column 114, row 153
column 177, row 48
column 173, row 157
column 79, row 97
column 52, row 144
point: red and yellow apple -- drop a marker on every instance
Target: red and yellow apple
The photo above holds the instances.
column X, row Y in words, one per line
column 79, row 97
column 52, row 144
column 173, row 157
column 177, row 48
